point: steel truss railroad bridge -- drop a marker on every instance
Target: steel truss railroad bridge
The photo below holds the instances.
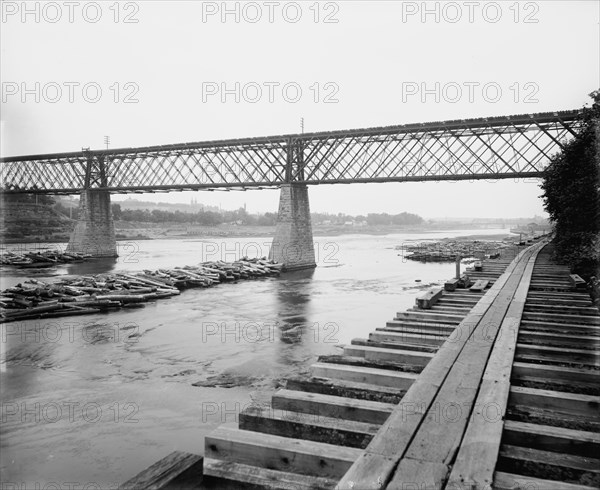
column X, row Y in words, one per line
column 518, row 146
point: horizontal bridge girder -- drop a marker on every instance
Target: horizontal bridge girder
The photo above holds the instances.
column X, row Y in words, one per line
column 474, row 149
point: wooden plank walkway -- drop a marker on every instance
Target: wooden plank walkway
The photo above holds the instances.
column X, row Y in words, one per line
column 490, row 389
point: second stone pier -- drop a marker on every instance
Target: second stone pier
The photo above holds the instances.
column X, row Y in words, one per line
column 293, row 241
column 94, row 232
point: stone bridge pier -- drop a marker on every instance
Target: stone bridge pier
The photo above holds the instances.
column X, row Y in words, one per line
column 94, row 232
column 293, row 241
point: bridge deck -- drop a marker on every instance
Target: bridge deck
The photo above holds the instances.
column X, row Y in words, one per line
column 501, row 387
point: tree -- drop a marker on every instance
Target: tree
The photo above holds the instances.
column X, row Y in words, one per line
column 116, row 211
column 571, row 194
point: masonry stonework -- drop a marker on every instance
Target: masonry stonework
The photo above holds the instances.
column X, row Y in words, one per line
column 94, row 232
column 293, row 241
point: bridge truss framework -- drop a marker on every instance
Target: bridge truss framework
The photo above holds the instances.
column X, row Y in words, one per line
column 518, row 146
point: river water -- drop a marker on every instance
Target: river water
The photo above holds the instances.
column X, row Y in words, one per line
column 88, row 402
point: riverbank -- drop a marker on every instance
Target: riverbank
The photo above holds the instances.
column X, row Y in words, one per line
column 242, row 231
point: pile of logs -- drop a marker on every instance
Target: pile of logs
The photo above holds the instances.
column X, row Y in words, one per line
column 94, row 294
column 449, row 250
column 46, row 258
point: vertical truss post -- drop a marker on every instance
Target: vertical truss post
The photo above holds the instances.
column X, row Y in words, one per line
column 293, row 241
column 94, row 231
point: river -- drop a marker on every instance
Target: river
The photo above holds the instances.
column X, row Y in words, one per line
column 88, row 402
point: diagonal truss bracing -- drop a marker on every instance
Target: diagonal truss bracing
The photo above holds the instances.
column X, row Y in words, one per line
column 484, row 148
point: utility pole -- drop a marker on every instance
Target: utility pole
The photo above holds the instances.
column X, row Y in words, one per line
column 106, row 141
column 302, row 124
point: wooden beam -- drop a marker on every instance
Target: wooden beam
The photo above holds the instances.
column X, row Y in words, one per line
column 507, row 481
column 310, row 427
column 228, row 475
column 585, row 406
column 279, row 453
column 177, row 470
column 479, row 285
column 549, row 438
column 331, row 406
column 379, row 377
column 428, row 299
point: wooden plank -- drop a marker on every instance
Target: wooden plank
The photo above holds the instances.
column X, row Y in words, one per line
column 562, row 309
column 565, row 340
column 422, row 475
column 574, row 375
column 479, row 285
column 549, row 438
column 280, row 453
column 456, row 309
column 574, row 356
column 560, row 318
column 310, row 427
column 428, row 316
column 428, row 299
column 462, row 301
column 232, row 476
column 332, row 406
column 451, row 284
column 560, row 327
column 178, row 470
column 380, row 377
column 422, row 347
column 507, row 481
column 361, row 362
column 418, row 327
column 409, row 338
column 550, row 458
column 349, row 389
column 569, row 403
column 394, row 355
column 374, row 471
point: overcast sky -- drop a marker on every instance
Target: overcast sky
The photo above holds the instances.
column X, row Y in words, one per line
column 161, row 67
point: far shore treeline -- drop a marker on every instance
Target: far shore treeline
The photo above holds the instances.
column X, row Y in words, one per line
column 210, row 217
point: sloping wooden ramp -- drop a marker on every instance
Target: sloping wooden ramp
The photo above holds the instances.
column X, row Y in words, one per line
column 318, row 427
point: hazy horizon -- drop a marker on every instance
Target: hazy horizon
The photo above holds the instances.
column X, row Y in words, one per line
column 171, row 75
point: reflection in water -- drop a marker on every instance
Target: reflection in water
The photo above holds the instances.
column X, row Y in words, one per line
column 293, row 296
column 92, row 267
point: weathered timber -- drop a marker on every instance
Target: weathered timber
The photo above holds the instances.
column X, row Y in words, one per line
column 177, row 471
column 479, row 285
column 428, row 299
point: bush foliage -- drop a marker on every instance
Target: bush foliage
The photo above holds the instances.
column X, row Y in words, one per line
column 571, row 185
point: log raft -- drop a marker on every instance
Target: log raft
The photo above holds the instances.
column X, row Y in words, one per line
column 40, row 259
column 84, row 295
column 494, row 388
